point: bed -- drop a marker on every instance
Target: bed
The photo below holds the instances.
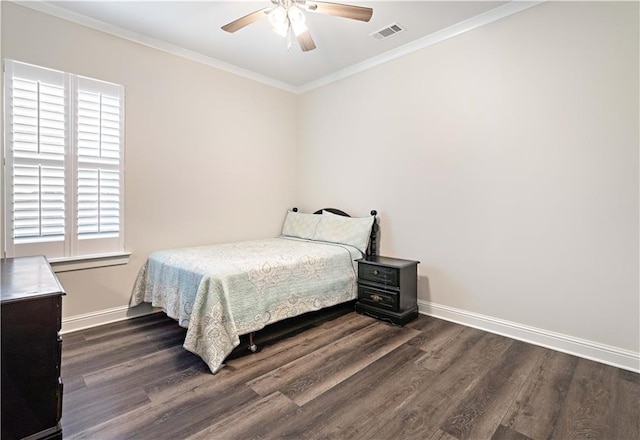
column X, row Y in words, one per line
column 220, row 292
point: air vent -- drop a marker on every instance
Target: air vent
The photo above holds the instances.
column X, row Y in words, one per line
column 387, row 32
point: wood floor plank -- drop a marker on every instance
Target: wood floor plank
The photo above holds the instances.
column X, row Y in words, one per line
column 117, row 350
column 421, row 414
column 441, row 435
column 504, row 433
column 118, row 333
column 447, row 349
column 345, row 401
column 463, row 375
column 164, row 387
column 121, row 328
column 303, row 343
column 268, row 359
column 422, row 322
column 189, row 419
column 96, row 407
column 384, row 398
column 589, row 411
column 135, row 381
column 629, row 376
column 627, row 423
column 536, row 410
column 73, row 384
column 143, row 371
column 306, row 378
column 113, row 355
column 417, row 418
column 483, row 407
column 252, row 422
column 271, row 381
column 430, row 330
column 72, row 339
column 177, row 417
column 440, row 339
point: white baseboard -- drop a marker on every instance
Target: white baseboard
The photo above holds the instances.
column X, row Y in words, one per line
column 101, row 317
column 606, row 354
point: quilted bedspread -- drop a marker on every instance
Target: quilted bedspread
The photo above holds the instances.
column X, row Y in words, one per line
column 220, row 292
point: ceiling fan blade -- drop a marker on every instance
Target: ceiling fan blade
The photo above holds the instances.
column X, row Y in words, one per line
column 305, row 41
column 246, row 20
column 338, row 9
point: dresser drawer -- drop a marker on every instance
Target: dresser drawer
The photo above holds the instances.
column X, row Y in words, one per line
column 377, row 297
column 377, row 274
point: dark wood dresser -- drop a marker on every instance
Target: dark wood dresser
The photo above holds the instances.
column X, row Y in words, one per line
column 30, row 317
column 388, row 289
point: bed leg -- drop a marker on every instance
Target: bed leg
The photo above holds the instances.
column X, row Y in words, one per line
column 252, row 346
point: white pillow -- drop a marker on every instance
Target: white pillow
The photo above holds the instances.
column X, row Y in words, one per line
column 346, row 230
column 297, row 224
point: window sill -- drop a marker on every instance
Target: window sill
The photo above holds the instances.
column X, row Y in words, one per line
column 89, row 262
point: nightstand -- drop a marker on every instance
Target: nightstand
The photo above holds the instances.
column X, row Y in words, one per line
column 388, row 289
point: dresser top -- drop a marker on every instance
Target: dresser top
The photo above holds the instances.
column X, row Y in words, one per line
column 27, row 277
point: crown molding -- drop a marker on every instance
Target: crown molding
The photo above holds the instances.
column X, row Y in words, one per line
column 65, row 14
column 506, row 10
column 485, row 18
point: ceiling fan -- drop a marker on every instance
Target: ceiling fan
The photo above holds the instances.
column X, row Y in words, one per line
column 287, row 17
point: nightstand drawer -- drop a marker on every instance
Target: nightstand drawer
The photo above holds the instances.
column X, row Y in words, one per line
column 377, row 274
column 378, row 298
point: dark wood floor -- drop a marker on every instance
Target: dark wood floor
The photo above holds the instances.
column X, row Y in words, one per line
column 353, row 377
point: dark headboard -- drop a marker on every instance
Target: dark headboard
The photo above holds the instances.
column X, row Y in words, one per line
column 372, row 249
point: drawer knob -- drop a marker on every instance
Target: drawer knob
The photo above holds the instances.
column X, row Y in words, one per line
column 376, row 298
column 376, row 272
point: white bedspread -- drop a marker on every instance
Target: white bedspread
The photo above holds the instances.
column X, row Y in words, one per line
column 220, row 292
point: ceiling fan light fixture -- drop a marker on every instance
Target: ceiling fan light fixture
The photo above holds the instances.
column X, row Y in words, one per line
column 297, row 20
column 299, row 28
column 281, row 29
column 279, row 21
column 287, row 17
column 278, row 15
column 295, row 15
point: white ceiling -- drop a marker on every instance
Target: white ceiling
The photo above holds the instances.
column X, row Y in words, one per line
column 192, row 29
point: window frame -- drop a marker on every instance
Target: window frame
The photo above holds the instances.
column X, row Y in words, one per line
column 98, row 250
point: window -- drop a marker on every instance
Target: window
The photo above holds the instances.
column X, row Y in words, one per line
column 64, row 167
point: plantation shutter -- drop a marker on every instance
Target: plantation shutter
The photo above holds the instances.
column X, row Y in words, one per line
column 64, row 167
column 99, row 110
column 36, row 135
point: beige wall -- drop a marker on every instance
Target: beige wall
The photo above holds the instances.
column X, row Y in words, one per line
column 506, row 161
column 206, row 158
